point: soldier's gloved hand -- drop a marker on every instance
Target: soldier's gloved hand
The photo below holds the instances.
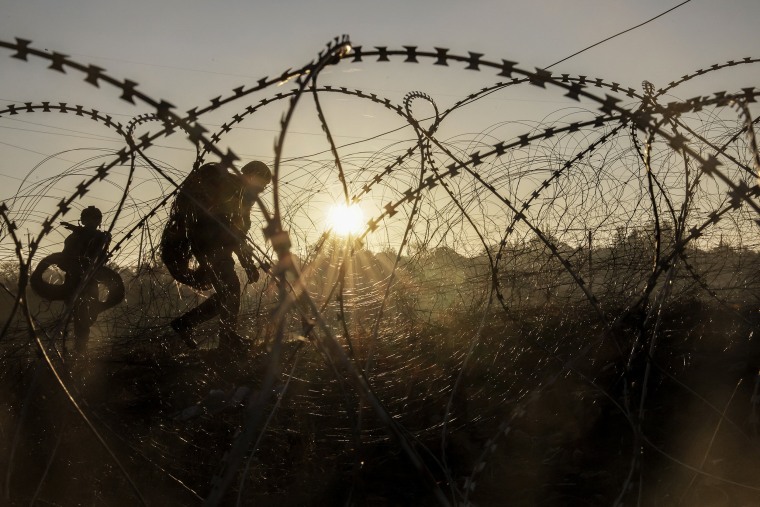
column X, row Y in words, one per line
column 253, row 274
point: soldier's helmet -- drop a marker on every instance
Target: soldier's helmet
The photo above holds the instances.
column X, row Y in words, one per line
column 91, row 216
column 258, row 175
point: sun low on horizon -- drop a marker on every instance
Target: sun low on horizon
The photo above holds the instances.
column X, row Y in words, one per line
column 345, row 220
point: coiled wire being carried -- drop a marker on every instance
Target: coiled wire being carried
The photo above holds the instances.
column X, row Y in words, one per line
column 84, row 250
column 105, row 277
column 176, row 245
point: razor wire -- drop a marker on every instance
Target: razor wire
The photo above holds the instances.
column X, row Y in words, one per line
column 604, row 214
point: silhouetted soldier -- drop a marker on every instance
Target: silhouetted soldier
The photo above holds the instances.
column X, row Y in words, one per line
column 209, row 222
column 87, row 279
column 84, row 250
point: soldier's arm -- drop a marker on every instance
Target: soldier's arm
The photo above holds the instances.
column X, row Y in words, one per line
column 245, row 253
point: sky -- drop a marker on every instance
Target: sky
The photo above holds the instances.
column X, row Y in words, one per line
column 154, row 41
column 189, row 51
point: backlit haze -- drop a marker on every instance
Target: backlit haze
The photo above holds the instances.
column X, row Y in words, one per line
column 188, row 53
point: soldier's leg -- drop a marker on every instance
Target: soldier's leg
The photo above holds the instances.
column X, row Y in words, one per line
column 185, row 323
column 81, row 326
column 227, row 286
column 85, row 314
column 201, row 313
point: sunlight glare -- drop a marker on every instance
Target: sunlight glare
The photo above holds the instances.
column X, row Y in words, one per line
column 345, row 220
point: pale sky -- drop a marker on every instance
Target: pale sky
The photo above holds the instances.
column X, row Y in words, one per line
column 189, row 51
column 243, row 38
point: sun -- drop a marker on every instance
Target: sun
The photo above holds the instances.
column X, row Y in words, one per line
column 345, row 220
